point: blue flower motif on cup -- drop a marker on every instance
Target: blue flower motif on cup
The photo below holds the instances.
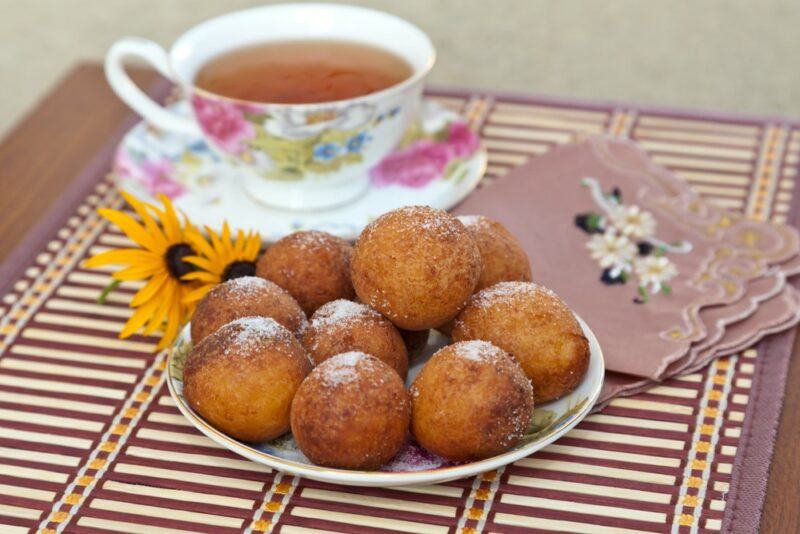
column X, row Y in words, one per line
column 327, row 151
column 356, row 143
column 388, row 115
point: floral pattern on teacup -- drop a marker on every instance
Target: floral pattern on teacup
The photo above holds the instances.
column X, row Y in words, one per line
column 163, row 163
column 427, row 158
column 293, row 123
column 291, row 143
column 225, row 122
column 624, row 245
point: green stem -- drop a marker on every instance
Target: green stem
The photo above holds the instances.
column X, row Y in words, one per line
column 101, row 299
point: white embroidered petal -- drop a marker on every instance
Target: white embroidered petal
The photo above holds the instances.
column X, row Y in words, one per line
column 654, row 271
column 632, row 221
column 611, row 250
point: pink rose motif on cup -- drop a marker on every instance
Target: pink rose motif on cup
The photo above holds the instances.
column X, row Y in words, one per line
column 462, row 141
column 424, row 161
column 155, row 176
column 224, row 122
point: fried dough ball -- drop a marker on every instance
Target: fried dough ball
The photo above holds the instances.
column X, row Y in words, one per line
column 243, row 377
column 533, row 324
column 352, row 412
column 502, row 255
column 248, row 296
column 346, row 326
column 470, row 401
column 314, row 267
column 416, row 341
column 416, row 265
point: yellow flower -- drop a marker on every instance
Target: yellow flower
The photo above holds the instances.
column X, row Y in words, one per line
column 220, row 258
column 160, row 260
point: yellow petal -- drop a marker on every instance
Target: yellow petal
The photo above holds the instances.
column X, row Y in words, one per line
column 139, row 272
column 202, row 263
column 150, row 224
column 202, row 276
column 239, row 245
column 187, row 308
column 139, row 317
column 222, row 254
column 173, row 323
column 200, row 244
column 133, row 230
column 166, row 298
column 253, row 246
column 172, row 226
column 226, row 240
column 197, row 294
column 149, row 290
column 122, row 256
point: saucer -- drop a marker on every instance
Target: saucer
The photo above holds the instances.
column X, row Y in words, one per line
column 438, row 163
column 413, row 465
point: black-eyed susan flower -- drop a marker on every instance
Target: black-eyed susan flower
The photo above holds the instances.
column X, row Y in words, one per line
column 220, row 258
column 161, row 260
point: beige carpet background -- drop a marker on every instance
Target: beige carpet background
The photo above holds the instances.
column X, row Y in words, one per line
column 722, row 54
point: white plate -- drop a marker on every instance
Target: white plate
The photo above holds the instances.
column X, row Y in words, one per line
column 207, row 189
column 413, row 465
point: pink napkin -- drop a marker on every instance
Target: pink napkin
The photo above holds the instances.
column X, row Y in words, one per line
column 665, row 280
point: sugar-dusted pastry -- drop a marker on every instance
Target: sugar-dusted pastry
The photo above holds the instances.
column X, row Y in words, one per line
column 502, row 255
column 345, row 326
column 245, row 297
column 535, row 326
column 243, row 377
column 314, row 267
column 416, row 265
column 470, row 401
column 352, row 412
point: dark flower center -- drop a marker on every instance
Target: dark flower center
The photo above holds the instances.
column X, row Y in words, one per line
column 174, row 256
column 239, row 269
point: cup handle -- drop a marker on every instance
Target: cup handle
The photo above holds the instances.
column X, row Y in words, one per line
column 122, row 84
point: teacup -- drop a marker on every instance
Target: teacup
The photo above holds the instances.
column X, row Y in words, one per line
column 292, row 156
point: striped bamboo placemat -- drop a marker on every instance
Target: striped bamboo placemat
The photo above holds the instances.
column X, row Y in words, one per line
column 91, row 441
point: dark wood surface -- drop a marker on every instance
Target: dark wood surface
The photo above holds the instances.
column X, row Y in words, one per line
column 51, row 145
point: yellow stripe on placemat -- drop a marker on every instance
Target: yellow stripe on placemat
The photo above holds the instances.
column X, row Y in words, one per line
column 701, row 456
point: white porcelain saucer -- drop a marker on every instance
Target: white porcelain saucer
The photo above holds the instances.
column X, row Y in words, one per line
column 412, row 465
column 439, row 164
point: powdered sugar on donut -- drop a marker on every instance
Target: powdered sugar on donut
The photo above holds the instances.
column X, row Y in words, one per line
column 475, row 221
column 420, row 222
column 507, row 291
column 343, row 368
column 312, row 239
column 340, row 311
column 478, row 351
column 253, row 332
column 246, row 285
